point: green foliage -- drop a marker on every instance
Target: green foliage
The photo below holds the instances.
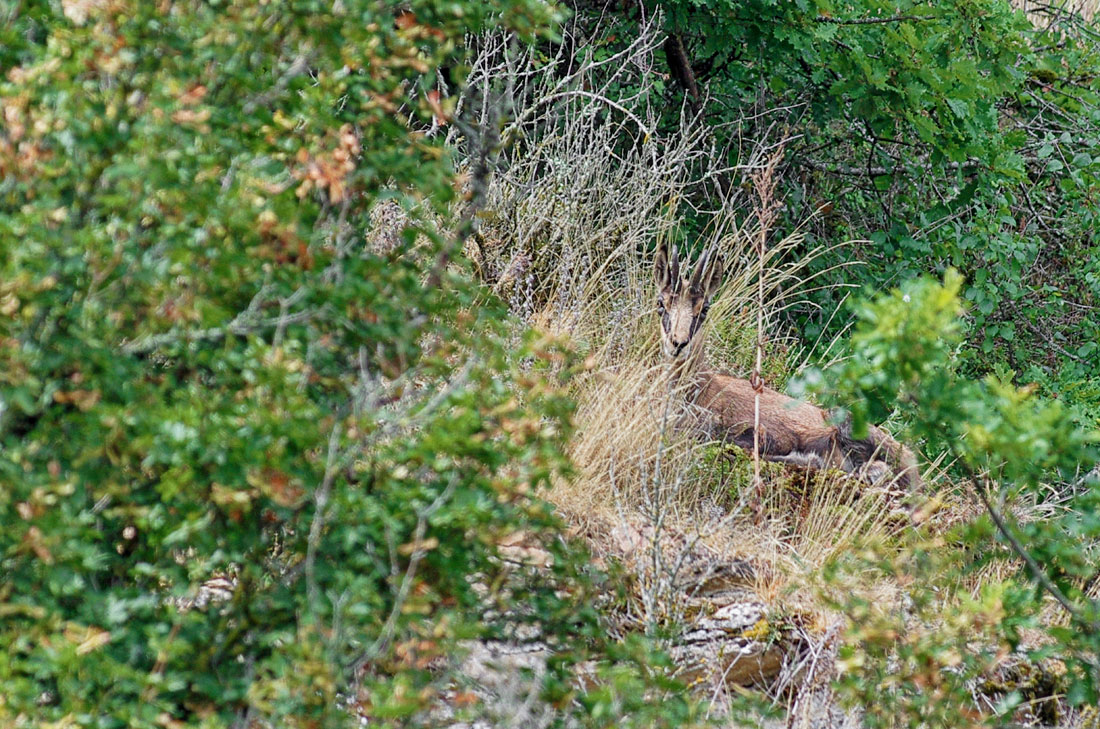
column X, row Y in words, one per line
column 931, row 659
column 902, row 352
column 892, row 352
column 921, row 666
column 932, row 71
column 947, row 134
column 1010, row 446
column 207, row 371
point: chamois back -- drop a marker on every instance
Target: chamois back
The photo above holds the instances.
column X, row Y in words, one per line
column 791, row 431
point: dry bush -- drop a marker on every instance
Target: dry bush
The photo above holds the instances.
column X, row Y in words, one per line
column 1043, row 13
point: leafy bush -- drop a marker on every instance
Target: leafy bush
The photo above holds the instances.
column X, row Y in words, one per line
column 210, row 373
column 1008, row 446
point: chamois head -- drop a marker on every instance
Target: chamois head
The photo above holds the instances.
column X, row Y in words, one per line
column 683, row 303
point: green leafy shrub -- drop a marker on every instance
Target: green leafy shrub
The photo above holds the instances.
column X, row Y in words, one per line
column 1009, row 448
column 208, row 372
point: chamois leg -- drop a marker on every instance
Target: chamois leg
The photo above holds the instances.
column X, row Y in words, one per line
column 744, row 440
column 770, row 450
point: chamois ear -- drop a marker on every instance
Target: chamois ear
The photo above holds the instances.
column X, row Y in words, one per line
column 660, row 266
column 712, row 279
column 666, row 268
column 708, row 274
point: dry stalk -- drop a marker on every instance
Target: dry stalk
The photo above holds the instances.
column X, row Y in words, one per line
column 766, row 208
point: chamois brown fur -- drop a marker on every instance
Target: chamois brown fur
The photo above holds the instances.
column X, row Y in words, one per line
column 791, row 431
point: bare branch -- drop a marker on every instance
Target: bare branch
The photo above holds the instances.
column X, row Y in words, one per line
column 876, row 171
column 320, row 504
column 390, row 626
column 872, row 21
column 1034, row 567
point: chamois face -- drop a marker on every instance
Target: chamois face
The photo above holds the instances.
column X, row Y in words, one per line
column 682, row 303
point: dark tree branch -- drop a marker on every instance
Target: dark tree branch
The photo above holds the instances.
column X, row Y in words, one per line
column 1033, row 566
column 485, row 137
column 680, row 66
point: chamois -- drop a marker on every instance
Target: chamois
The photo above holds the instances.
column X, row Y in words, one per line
column 791, row 431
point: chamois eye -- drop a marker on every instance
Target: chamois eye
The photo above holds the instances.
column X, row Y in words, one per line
column 661, row 307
